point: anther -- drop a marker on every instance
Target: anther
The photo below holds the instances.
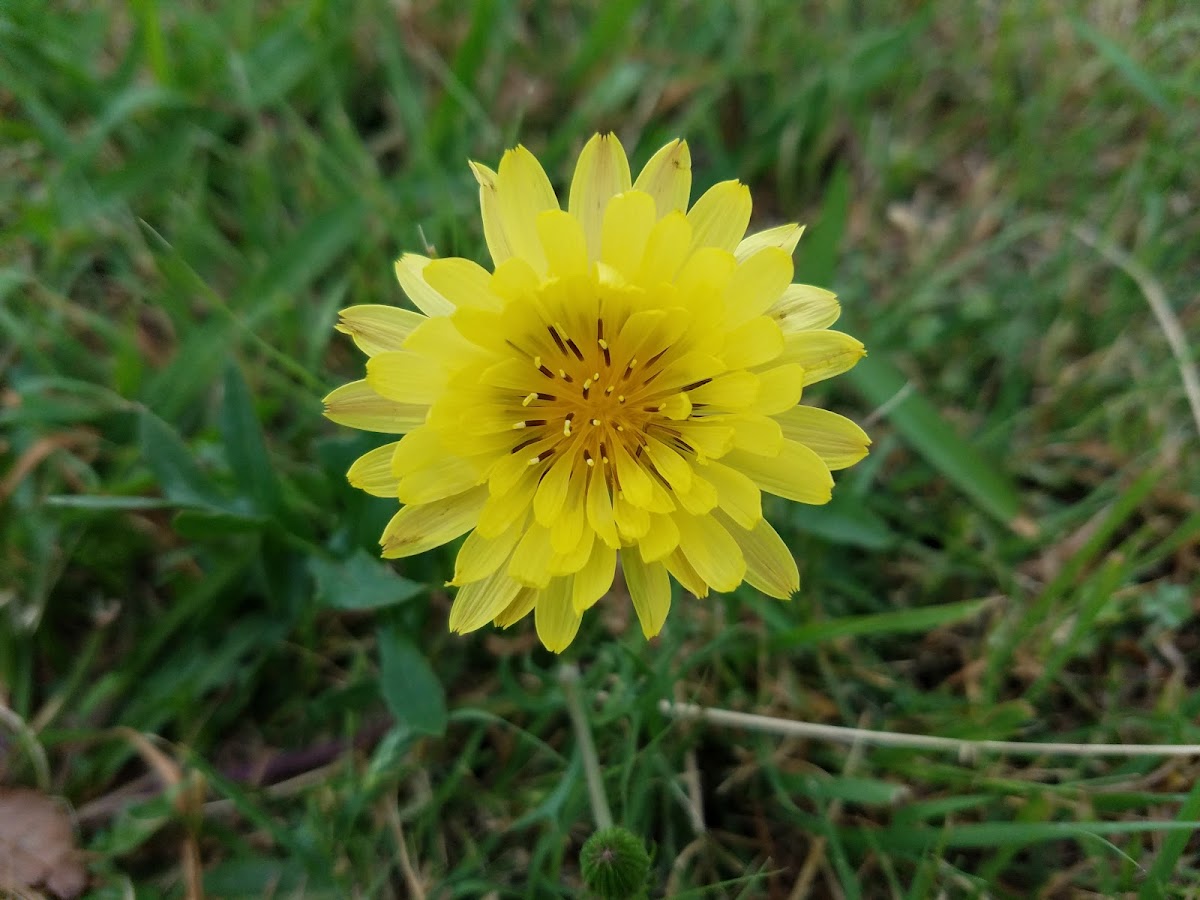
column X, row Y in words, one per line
column 529, row 398
column 595, row 421
column 609, row 389
column 542, row 396
column 620, row 398
column 603, row 343
column 575, row 349
column 562, row 373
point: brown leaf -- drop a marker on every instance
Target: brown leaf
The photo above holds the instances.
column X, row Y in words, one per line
column 37, row 845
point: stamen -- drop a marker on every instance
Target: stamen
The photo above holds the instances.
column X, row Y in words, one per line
column 575, row 349
column 525, row 443
column 541, row 457
column 609, row 389
column 620, row 398
column 695, row 384
column 529, row 398
column 595, row 421
column 604, row 347
column 565, row 377
column 542, row 396
column 567, row 424
column 557, row 340
column 587, row 458
column 603, row 343
column 537, row 361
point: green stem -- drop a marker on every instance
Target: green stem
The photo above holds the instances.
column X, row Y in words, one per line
column 568, row 677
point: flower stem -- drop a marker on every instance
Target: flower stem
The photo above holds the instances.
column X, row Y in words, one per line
column 568, row 677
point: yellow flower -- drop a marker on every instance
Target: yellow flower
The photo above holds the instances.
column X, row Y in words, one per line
column 624, row 383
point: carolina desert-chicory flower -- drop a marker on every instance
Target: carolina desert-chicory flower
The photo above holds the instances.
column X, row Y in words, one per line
column 624, row 383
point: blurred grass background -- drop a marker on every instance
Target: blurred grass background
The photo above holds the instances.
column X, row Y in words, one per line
column 190, row 191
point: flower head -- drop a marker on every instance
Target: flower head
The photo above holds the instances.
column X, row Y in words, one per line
column 625, row 383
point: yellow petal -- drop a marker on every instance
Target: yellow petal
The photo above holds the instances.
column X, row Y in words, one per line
column 838, row 441
column 632, row 479
column 357, row 405
column 719, row 218
column 376, row 328
column 601, row 173
column 711, row 551
column 600, row 511
column 703, row 280
column 439, row 478
column 576, row 558
column 514, row 280
column 530, row 561
column 757, row 434
column 628, row 220
column 660, row 540
column 481, row 556
column 681, row 570
column 410, row 270
column 502, row 510
column 372, row 472
column 779, row 389
column 482, row 601
column 416, row 529
column 521, row 606
column 489, row 206
column 552, row 492
column 666, row 248
column 555, row 616
column 804, row 308
column 649, row 589
column 770, row 565
column 595, row 579
column 676, row 470
column 709, row 439
column 785, row 237
column 737, row 495
column 523, row 191
column 405, row 377
column 797, row 473
column 462, row 282
column 752, row 343
column 567, row 532
column 756, row 285
column 563, row 241
column 823, row 354
column 699, row 499
column 667, row 178
column 733, row 390
column 632, row 521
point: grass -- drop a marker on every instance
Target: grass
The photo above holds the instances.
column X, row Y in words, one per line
column 191, row 191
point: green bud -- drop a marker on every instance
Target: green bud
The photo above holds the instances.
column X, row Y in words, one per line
column 615, row 864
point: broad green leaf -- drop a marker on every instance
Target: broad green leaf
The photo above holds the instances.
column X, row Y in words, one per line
column 360, row 582
column 410, row 687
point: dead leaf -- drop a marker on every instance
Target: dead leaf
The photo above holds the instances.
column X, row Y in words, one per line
column 37, row 845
